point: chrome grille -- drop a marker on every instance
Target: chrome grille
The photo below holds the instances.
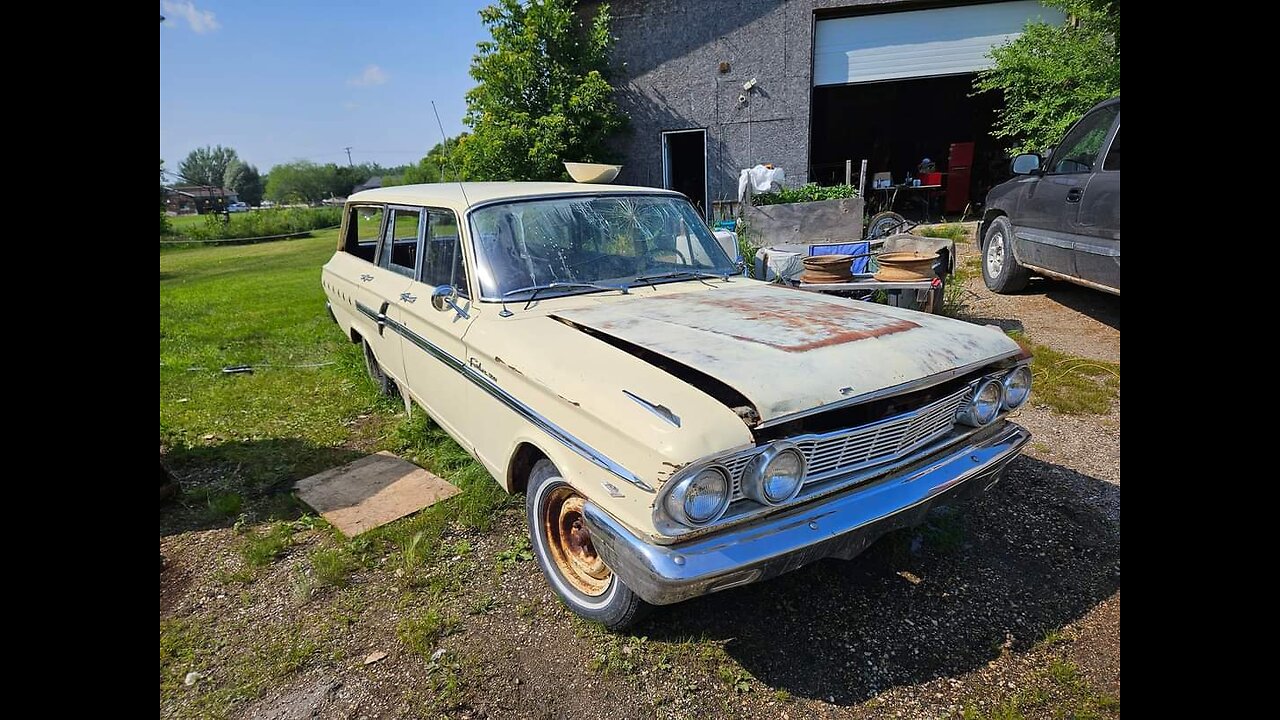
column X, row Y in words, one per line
column 847, row 450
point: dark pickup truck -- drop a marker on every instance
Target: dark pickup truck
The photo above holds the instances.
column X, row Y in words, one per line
column 1060, row 215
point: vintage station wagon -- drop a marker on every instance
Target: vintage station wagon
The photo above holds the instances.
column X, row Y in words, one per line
column 678, row 429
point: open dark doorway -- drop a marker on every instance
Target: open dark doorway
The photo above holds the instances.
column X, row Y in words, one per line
column 684, row 164
column 896, row 124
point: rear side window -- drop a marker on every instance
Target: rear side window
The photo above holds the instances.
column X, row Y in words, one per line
column 443, row 263
column 400, row 241
column 1113, row 155
column 364, row 227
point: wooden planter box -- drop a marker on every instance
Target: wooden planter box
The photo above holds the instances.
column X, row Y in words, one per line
column 823, row 221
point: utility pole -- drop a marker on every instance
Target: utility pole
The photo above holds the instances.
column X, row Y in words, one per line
column 348, row 149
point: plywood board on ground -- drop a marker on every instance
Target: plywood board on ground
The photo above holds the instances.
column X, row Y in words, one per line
column 372, row 491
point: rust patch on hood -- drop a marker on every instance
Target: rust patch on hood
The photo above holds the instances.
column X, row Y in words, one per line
column 792, row 322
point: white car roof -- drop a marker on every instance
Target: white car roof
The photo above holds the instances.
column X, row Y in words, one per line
column 463, row 196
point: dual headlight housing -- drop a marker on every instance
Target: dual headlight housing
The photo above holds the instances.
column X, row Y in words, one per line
column 994, row 394
column 776, row 475
column 773, row 477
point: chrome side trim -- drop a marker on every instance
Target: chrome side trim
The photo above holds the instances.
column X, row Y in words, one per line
column 906, row 387
column 523, row 410
column 661, row 411
column 1045, row 237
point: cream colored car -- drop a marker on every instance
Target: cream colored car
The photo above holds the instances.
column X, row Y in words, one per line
column 678, row 429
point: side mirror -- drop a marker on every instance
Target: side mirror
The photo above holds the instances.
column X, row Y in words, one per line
column 1026, row 164
column 445, row 297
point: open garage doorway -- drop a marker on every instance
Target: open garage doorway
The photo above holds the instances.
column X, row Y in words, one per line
column 684, row 165
column 895, row 124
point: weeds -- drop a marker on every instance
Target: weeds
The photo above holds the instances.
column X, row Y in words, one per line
column 1071, row 385
column 262, row 548
column 332, row 566
column 421, row 630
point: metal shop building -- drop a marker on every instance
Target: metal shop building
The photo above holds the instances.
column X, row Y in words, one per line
column 714, row 86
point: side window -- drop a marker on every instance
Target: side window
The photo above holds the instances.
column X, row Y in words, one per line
column 1079, row 149
column 1113, row 155
column 400, row 241
column 364, row 227
column 442, row 263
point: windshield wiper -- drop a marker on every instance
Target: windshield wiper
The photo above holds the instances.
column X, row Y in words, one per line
column 535, row 289
column 695, row 274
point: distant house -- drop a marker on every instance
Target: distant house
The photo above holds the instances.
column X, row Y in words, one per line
column 202, row 199
column 370, row 184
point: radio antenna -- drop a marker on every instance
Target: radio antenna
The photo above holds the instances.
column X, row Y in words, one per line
column 444, row 145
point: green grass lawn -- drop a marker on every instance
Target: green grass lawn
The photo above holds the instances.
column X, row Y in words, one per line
column 239, row 441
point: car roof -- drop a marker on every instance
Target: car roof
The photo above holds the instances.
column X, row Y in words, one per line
column 1113, row 101
column 462, row 196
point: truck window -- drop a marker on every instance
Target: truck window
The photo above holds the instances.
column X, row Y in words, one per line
column 1079, row 149
column 364, row 227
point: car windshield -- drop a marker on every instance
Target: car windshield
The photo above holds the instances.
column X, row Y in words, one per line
column 590, row 243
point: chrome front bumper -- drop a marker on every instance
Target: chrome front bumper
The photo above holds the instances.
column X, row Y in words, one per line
column 840, row 526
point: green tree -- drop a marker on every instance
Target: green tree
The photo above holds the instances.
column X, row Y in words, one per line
column 443, row 163
column 542, row 96
column 305, row 181
column 1051, row 74
column 244, row 179
column 299, row 181
column 207, row 165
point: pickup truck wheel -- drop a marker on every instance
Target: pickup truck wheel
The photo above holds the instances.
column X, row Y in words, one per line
column 386, row 386
column 1000, row 269
column 562, row 545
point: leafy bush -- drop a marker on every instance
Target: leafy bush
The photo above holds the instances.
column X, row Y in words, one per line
column 1051, row 74
column 805, row 193
column 264, row 223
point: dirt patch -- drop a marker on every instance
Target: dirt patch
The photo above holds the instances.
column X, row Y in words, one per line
column 1066, row 317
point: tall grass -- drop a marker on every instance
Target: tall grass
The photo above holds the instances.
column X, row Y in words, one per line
column 260, row 223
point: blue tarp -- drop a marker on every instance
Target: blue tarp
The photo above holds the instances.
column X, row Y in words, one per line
column 857, row 249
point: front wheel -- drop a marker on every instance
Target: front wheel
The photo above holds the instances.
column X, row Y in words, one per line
column 562, row 545
column 1001, row 271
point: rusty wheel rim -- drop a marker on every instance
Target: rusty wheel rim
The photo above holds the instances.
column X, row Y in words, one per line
column 569, row 543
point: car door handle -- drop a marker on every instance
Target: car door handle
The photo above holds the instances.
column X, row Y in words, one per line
column 406, row 297
column 1074, row 194
column 366, row 278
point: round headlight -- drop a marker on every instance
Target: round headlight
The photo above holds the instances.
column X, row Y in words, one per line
column 984, row 406
column 1017, row 386
column 775, row 475
column 701, row 498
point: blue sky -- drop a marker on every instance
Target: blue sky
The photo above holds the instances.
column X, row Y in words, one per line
column 287, row 80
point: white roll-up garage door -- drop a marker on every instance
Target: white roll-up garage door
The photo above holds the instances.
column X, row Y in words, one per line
column 918, row 43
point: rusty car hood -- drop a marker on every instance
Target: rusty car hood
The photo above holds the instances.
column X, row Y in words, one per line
column 790, row 351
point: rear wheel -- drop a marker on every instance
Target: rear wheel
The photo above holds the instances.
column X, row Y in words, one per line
column 1000, row 269
column 386, row 386
column 562, row 544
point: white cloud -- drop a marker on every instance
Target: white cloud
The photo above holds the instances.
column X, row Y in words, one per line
column 372, row 75
column 200, row 21
column 350, row 105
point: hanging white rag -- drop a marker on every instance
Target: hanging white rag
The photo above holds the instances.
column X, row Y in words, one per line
column 760, row 179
